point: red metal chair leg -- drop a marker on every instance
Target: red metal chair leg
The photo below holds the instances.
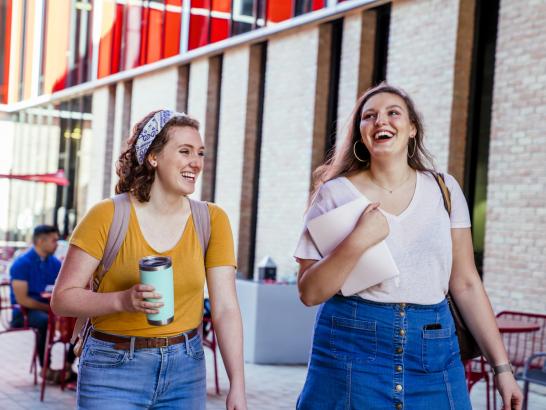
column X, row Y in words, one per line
column 215, row 364
column 49, row 339
column 34, row 360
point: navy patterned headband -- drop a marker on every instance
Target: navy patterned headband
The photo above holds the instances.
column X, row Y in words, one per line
column 150, row 131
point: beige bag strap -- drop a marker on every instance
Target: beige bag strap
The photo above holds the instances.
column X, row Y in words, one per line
column 201, row 221
column 116, row 236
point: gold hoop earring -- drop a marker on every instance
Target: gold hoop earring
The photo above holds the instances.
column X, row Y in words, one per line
column 355, row 154
column 414, row 148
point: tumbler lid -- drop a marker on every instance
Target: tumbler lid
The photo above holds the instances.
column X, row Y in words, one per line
column 152, row 263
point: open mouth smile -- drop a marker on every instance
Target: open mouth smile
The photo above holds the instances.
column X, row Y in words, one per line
column 188, row 176
column 383, row 135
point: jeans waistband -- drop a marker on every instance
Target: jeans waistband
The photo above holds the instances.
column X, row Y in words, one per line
column 124, row 342
column 360, row 300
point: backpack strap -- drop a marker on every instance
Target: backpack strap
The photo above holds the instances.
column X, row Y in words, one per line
column 116, row 236
column 201, row 221
column 446, row 195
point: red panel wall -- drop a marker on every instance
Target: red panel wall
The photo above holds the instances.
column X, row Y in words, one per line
column 173, row 20
column 4, row 81
column 279, row 10
column 107, row 39
column 55, row 66
column 199, row 23
column 318, row 4
column 154, row 50
column 116, row 40
column 220, row 24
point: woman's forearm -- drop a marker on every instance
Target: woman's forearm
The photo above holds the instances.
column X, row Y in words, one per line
column 326, row 277
column 229, row 331
column 478, row 314
column 78, row 302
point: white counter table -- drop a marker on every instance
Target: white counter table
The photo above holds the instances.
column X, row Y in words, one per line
column 277, row 326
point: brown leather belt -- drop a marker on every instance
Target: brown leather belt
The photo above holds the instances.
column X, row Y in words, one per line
column 124, row 342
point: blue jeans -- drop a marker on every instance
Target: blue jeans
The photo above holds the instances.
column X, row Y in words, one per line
column 170, row 377
column 369, row 355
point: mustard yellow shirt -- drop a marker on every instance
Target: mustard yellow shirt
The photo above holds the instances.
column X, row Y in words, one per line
column 91, row 235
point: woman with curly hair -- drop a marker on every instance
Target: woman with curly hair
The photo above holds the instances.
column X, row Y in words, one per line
column 393, row 345
column 126, row 362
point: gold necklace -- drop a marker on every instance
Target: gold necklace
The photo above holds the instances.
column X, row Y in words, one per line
column 390, row 191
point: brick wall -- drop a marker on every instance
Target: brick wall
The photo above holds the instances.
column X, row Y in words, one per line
column 232, row 134
column 421, row 60
column 286, row 146
column 154, row 92
column 197, row 102
column 357, row 63
column 515, row 243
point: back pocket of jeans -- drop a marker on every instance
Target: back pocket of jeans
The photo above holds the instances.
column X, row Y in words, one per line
column 353, row 340
column 438, row 349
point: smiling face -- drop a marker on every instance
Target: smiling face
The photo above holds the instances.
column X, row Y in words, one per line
column 385, row 126
column 180, row 161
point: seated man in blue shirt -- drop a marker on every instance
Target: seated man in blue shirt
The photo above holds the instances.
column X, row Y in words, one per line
column 31, row 273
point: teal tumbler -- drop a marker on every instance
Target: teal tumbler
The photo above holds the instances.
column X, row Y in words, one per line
column 158, row 272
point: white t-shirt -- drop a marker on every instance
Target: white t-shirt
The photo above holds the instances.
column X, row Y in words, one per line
column 419, row 238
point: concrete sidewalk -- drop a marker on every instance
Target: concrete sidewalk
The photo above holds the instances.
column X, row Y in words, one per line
column 268, row 387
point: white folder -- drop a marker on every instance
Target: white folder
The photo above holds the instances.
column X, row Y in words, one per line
column 330, row 229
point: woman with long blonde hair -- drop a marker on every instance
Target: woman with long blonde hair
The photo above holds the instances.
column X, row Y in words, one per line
column 393, row 345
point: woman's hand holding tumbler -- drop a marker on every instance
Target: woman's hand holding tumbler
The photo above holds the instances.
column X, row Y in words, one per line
column 134, row 299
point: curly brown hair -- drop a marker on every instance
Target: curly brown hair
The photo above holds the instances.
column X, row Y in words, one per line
column 134, row 177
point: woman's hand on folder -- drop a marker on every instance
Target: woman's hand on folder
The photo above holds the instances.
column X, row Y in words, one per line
column 372, row 226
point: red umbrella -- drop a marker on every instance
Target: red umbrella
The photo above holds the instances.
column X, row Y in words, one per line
column 53, row 178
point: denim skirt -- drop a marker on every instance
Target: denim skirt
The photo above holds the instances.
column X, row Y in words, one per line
column 369, row 355
column 171, row 377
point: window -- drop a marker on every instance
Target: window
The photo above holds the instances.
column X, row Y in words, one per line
column 244, row 16
column 479, row 122
column 306, row 6
column 80, row 53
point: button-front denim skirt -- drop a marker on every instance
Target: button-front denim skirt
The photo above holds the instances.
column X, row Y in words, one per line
column 369, row 355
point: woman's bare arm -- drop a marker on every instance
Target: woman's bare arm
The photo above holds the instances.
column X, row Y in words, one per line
column 468, row 291
column 72, row 297
column 320, row 280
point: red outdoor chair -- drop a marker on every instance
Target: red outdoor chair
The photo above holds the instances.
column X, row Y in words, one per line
column 59, row 330
column 5, row 323
column 475, row 370
column 520, row 346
